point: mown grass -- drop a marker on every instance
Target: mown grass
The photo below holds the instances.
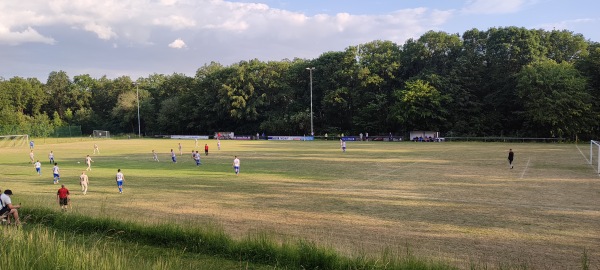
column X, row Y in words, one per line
column 451, row 202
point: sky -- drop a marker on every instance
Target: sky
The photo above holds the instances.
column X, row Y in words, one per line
column 138, row 38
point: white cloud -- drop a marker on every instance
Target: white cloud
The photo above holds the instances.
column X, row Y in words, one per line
column 213, row 30
column 168, row 2
column 495, row 6
column 103, row 32
column 177, row 44
column 13, row 38
column 175, row 22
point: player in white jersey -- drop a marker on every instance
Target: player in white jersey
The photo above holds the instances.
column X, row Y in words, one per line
column 84, row 181
column 155, row 156
column 180, row 152
column 56, row 173
column 236, row 165
column 38, row 167
column 51, row 157
column 173, row 156
column 197, row 158
column 88, row 162
column 96, row 149
column 120, row 178
column 31, row 157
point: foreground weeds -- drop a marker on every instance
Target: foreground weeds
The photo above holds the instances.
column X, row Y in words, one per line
column 43, row 248
column 207, row 240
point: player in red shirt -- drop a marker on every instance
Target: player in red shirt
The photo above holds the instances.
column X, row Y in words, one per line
column 206, row 149
column 63, row 197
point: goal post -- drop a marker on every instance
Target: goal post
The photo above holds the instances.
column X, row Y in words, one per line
column 101, row 134
column 595, row 151
column 14, row 140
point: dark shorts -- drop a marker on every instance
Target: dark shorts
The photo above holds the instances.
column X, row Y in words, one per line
column 63, row 201
column 4, row 210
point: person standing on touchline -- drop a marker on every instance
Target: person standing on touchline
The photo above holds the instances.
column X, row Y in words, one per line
column 511, row 157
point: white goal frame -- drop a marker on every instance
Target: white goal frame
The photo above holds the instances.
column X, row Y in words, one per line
column 101, row 134
column 591, row 161
column 21, row 139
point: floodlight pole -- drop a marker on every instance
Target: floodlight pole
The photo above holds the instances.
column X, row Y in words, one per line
column 312, row 131
column 137, row 95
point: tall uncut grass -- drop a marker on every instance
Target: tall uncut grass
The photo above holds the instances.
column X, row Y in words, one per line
column 43, row 248
column 208, row 240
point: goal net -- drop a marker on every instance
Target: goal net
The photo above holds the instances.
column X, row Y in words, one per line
column 101, row 134
column 14, row 140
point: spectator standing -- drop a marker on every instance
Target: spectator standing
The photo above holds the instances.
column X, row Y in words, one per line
column 63, row 197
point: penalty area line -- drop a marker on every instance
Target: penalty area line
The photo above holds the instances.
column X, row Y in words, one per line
column 526, row 166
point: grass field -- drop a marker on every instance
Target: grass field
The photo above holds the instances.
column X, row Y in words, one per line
column 456, row 202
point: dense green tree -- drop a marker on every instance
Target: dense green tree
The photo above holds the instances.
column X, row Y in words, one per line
column 420, row 106
column 562, row 45
column 378, row 77
column 555, row 100
column 58, row 88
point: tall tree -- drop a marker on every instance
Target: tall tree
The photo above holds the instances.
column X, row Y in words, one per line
column 58, row 88
column 420, row 106
column 555, row 100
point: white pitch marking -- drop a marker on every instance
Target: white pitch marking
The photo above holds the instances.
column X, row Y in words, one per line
column 526, row 166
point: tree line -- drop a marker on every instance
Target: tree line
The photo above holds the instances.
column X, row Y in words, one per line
column 504, row 81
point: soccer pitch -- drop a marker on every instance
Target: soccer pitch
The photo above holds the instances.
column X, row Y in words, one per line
column 458, row 202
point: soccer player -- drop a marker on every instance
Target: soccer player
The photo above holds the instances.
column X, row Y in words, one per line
column 155, row 156
column 96, row 149
column 38, row 167
column 196, row 140
column 88, row 162
column 51, row 157
column 56, row 173
column 218, row 144
column 197, row 158
column 120, row 178
column 62, row 196
column 84, row 181
column 206, row 149
column 236, row 165
column 343, row 146
column 31, row 144
column 180, row 152
column 7, row 206
column 173, row 156
column 511, row 156
column 31, row 157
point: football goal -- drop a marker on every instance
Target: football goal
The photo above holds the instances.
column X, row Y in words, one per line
column 13, row 140
column 101, row 134
column 595, row 152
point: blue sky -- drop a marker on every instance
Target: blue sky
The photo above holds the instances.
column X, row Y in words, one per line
column 140, row 37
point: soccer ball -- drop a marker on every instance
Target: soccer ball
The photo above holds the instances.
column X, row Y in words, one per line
column 78, row 162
